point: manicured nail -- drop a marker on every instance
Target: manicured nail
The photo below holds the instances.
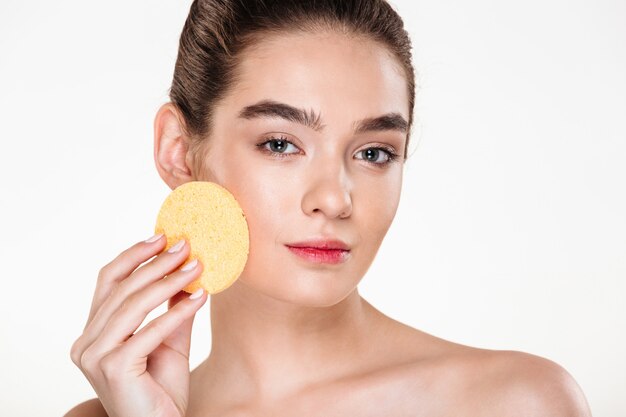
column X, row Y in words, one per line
column 191, row 265
column 177, row 246
column 197, row 294
column 154, row 238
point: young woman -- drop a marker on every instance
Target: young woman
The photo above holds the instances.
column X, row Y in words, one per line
column 303, row 110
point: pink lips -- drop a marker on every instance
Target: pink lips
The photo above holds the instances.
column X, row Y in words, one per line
column 332, row 251
column 331, row 256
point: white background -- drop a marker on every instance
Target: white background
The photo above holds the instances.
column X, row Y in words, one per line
column 511, row 232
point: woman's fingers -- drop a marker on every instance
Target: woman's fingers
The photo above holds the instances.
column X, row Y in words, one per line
column 120, row 268
column 151, row 365
column 180, row 339
column 160, row 329
column 147, row 274
column 125, row 321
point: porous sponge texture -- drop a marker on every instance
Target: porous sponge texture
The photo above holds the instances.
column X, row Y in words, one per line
column 214, row 225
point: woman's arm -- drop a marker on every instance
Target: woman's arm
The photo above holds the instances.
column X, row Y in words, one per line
column 90, row 408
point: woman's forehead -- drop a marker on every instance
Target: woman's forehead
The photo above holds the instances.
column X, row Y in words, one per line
column 322, row 72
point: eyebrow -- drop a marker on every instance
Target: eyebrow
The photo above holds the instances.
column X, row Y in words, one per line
column 274, row 109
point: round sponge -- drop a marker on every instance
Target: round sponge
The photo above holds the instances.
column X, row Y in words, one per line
column 214, row 225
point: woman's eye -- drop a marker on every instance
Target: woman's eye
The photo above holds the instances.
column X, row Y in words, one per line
column 374, row 154
column 276, row 146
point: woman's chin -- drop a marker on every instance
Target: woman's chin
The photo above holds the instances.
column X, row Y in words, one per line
column 310, row 292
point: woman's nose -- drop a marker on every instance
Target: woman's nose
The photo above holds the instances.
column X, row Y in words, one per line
column 328, row 191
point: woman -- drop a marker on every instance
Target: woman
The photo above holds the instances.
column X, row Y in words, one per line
column 303, row 110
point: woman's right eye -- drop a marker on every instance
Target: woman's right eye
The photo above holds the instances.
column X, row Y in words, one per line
column 276, row 147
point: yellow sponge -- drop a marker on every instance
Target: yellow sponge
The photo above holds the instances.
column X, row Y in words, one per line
column 214, row 225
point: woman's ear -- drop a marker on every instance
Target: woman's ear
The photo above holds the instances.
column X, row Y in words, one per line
column 171, row 147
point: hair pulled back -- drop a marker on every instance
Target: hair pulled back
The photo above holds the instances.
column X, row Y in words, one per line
column 216, row 32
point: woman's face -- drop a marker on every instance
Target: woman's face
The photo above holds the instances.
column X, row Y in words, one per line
column 330, row 182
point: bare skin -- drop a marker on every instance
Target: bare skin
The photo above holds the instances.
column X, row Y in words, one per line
column 406, row 372
column 295, row 338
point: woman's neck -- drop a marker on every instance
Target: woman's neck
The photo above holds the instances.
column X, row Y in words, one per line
column 267, row 349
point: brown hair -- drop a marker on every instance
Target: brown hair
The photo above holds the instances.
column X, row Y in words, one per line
column 216, row 33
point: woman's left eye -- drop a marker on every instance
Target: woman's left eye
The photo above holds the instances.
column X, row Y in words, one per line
column 372, row 154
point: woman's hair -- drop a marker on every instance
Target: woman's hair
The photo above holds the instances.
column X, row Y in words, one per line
column 216, row 33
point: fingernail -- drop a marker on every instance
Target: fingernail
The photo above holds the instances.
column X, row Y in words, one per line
column 197, row 294
column 154, row 238
column 178, row 246
column 191, row 265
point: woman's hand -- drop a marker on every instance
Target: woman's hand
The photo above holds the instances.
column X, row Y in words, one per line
column 144, row 373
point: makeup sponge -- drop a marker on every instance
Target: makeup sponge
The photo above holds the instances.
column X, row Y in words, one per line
column 214, row 225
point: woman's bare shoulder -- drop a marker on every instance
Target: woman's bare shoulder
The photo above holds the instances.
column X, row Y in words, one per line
column 526, row 384
column 89, row 408
column 501, row 382
column 475, row 381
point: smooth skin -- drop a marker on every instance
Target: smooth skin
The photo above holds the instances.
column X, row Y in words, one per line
column 290, row 337
column 146, row 374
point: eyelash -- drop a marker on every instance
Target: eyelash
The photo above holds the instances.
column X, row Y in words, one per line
column 391, row 155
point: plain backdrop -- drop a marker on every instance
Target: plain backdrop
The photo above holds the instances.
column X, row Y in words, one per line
column 511, row 230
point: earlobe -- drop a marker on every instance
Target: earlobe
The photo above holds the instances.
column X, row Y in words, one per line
column 170, row 147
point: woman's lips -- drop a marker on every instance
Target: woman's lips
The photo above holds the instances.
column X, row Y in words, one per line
column 331, row 256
